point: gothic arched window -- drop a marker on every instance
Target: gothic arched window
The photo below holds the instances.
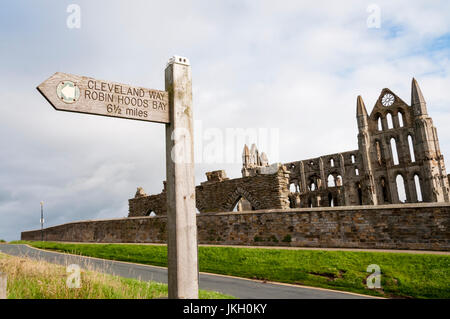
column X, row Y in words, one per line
column 401, row 191
column 400, row 119
column 418, row 188
column 390, row 123
column 411, row 149
column 394, row 151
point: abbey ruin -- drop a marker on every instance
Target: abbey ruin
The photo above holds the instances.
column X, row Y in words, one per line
column 390, row 193
column 398, row 154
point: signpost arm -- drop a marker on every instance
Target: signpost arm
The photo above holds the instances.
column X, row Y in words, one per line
column 181, row 209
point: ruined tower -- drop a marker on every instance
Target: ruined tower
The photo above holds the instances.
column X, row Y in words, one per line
column 434, row 177
column 404, row 161
column 252, row 161
column 366, row 186
column 398, row 160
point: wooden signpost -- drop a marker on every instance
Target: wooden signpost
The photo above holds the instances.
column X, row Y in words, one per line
column 80, row 94
column 67, row 92
column 3, row 286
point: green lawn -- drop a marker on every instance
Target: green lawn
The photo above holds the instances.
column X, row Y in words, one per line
column 402, row 274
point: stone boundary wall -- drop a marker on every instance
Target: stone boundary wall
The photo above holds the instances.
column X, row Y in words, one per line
column 408, row 226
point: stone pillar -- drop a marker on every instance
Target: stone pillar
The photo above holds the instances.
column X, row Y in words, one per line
column 393, row 189
column 322, row 175
column 411, row 184
column 304, row 186
column 181, row 211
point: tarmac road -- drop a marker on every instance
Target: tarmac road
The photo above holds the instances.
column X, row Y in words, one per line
column 238, row 287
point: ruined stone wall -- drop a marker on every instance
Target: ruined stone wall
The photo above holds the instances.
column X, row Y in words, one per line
column 398, row 153
column 406, row 226
column 327, row 180
column 404, row 150
column 143, row 206
column 398, row 160
column 384, row 168
column 263, row 191
column 220, row 194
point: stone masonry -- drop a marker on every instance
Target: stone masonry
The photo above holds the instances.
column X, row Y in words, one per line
column 400, row 226
column 266, row 190
column 398, row 153
column 350, row 199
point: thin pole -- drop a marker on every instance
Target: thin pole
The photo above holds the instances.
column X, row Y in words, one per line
column 42, row 221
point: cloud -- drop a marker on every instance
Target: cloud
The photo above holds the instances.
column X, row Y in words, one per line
column 294, row 66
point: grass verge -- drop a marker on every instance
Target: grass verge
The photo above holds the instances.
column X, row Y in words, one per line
column 402, row 275
column 30, row 279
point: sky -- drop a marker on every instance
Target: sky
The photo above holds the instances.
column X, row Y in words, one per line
column 288, row 70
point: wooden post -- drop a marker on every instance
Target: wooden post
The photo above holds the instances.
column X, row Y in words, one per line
column 181, row 209
column 3, row 283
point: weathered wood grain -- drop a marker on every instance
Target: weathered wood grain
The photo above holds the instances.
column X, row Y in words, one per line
column 181, row 211
column 108, row 98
